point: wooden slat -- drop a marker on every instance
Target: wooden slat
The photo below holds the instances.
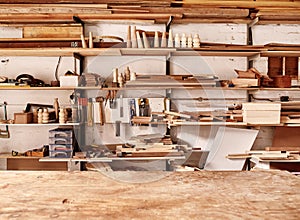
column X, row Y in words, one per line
column 62, row 8
column 52, row 32
column 22, row 18
column 237, row 4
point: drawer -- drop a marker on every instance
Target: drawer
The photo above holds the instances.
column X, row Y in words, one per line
column 61, row 133
column 60, row 154
column 60, row 140
column 60, row 147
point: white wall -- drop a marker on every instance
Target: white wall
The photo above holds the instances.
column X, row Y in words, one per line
column 44, row 67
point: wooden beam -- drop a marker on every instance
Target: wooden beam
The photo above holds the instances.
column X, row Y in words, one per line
column 236, row 4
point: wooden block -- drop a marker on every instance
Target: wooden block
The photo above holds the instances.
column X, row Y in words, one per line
column 23, row 118
column 286, row 137
column 59, row 31
column 243, row 82
column 261, row 113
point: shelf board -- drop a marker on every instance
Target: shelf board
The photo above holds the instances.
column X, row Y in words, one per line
column 110, row 159
column 34, row 88
column 50, row 52
column 197, row 123
column 227, row 52
column 280, row 53
column 38, row 125
column 147, row 51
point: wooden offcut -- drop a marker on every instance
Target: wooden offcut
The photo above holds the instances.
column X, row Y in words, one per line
column 52, row 31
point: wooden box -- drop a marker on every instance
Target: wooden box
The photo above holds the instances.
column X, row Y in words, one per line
column 261, row 113
column 23, row 118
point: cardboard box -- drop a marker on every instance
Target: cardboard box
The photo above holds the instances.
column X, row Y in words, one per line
column 69, row 81
column 261, row 113
column 23, row 118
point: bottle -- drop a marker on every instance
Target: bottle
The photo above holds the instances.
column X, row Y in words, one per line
column 127, row 73
column 45, row 116
column 170, row 40
column 190, row 41
column 61, row 117
column 156, row 40
column 40, row 116
column 35, row 115
column 183, row 41
column 56, row 108
column 177, row 41
column 163, row 40
column 196, row 41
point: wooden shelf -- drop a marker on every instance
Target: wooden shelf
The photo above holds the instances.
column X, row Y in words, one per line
column 35, row 88
column 40, row 125
column 50, row 52
column 280, row 53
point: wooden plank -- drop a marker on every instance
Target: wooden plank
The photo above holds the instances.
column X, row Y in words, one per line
column 52, row 32
column 30, row 163
column 273, row 192
column 49, row 18
column 237, row 4
column 53, row 9
column 286, row 136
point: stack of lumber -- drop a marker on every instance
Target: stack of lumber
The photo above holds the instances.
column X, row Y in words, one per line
column 185, row 11
column 173, row 80
column 150, row 150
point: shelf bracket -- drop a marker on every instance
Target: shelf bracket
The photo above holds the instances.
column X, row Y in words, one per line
column 253, row 22
column 79, row 21
column 168, row 25
column 254, row 57
column 78, row 57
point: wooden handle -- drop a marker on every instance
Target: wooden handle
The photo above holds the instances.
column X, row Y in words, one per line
column 90, row 113
column 101, row 112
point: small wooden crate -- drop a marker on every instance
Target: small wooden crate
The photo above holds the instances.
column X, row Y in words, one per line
column 23, row 118
column 261, row 113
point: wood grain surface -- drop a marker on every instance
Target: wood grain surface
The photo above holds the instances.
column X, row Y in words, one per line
column 255, row 194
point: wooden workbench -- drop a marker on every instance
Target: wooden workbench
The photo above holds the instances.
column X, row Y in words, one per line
column 253, row 194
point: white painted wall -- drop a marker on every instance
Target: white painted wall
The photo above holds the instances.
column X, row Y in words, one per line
column 44, row 67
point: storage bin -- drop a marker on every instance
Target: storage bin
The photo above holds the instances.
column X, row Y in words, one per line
column 60, row 140
column 60, row 154
column 61, row 133
column 261, row 113
column 60, row 147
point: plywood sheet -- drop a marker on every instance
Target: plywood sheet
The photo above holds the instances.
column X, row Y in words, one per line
column 286, row 137
column 71, row 31
column 149, row 195
column 229, row 141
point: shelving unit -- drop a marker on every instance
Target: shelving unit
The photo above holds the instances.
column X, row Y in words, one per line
column 249, row 13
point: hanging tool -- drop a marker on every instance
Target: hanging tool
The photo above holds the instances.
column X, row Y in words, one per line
column 111, row 95
column 121, row 107
column 5, row 133
column 90, row 112
column 100, row 99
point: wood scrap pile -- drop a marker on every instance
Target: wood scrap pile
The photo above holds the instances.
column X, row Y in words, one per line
column 154, row 11
column 174, row 80
column 251, row 78
column 268, row 155
column 151, row 146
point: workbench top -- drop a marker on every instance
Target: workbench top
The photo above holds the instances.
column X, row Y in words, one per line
column 255, row 194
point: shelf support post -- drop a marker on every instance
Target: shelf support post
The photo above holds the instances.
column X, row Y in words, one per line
column 168, row 25
column 80, row 58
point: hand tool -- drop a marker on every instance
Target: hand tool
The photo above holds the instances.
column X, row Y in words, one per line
column 100, row 99
column 5, row 133
column 121, row 106
column 90, row 112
